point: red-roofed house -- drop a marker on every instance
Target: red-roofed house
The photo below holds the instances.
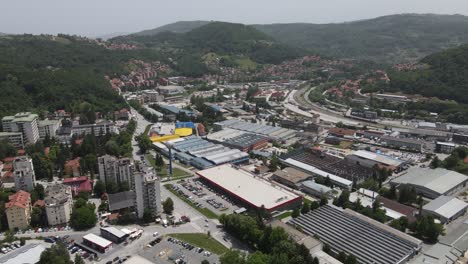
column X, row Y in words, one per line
column 72, row 167
column 18, row 210
column 79, row 184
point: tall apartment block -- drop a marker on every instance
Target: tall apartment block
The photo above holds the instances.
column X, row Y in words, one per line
column 58, row 204
column 147, row 191
column 116, row 170
column 25, row 123
column 23, row 171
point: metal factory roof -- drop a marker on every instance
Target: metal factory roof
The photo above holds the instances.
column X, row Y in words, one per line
column 377, row 157
column 437, row 180
column 446, row 206
column 314, row 170
column 247, row 187
column 370, row 241
column 102, row 242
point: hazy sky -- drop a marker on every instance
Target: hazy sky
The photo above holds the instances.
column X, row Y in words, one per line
column 100, row 17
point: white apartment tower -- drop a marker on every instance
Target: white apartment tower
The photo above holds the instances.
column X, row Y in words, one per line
column 58, row 204
column 147, row 191
column 25, row 123
column 116, row 170
column 23, row 170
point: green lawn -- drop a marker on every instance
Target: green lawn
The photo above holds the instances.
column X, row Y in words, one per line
column 162, row 172
column 284, row 215
column 203, row 241
column 205, row 211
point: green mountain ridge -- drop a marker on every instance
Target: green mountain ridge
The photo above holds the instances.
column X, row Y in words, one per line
column 57, row 72
column 445, row 78
column 390, row 39
column 177, row 27
column 224, row 39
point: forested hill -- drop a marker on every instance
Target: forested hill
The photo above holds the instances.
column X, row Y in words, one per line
column 445, row 78
column 177, row 27
column 49, row 73
column 224, row 39
column 393, row 39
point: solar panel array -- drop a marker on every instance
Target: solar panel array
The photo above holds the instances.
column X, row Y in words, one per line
column 352, row 235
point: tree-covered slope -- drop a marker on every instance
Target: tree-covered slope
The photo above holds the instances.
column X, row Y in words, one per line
column 220, row 38
column 395, row 38
column 446, row 76
column 177, row 27
column 49, row 73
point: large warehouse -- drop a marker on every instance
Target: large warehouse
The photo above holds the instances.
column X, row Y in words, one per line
column 445, row 208
column 370, row 159
column 274, row 133
column 201, row 153
column 432, row 183
column 249, row 189
column 369, row 241
column 239, row 139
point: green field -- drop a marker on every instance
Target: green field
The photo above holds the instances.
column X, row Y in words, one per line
column 203, row 241
column 284, row 215
column 205, row 211
column 246, row 64
column 162, row 172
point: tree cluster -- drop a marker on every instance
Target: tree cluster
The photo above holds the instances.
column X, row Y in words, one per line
column 272, row 245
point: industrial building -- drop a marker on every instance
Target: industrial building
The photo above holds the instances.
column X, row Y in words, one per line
column 404, row 143
column 326, row 165
column 371, row 242
column 96, row 242
column 370, row 159
column 241, row 140
column 315, row 189
column 445, row 208
column 290, row 177
column 273, row 133
column 30, row 253
column 201, row 153
column 113, row 234
column 249, row 189
column 444, row 147
column 432, row 183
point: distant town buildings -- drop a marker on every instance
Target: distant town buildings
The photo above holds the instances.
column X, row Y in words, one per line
column 58, row 204
column 98, row 129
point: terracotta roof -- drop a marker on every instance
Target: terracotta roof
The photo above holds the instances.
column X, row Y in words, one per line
column 73, row 163
column 79, row 184
column 9, row 159
column 341, row 131
column 21, row 152
column 39, row 203
column 8, row 167
column 20, row 199
column 465, row 160
column 408, row 211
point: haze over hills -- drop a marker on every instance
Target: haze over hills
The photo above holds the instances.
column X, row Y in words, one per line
column 177, row 27
column 391, row 39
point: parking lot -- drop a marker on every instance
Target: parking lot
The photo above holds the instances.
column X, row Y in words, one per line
column 170, row 250
column 204, row 196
